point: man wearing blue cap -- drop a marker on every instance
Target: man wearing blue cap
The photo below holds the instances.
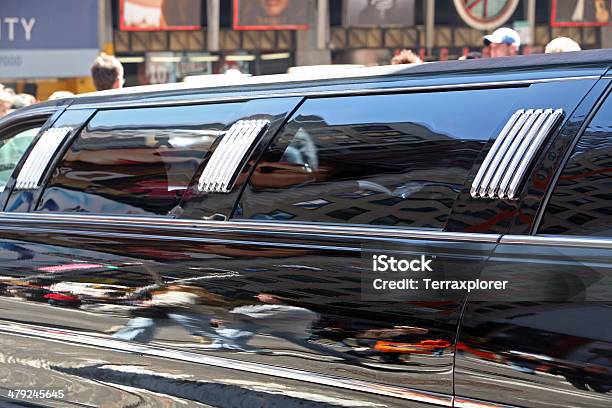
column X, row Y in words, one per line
column 503, row 42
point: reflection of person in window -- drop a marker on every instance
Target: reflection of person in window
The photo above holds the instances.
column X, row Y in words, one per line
column 302, row 150
column 299, row 164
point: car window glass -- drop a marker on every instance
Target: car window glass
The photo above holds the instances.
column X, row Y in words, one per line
column 136, row 161
column 396, row 159
column 581, row 202
column 11, row 151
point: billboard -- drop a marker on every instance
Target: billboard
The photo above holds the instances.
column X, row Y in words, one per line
column 271, row 14
column 378, row 13
column 37, row 38
column 580, row 13
column 160, row 15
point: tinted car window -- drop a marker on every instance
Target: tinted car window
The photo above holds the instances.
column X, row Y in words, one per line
column 383, row 159
column 136, row 161
column 11, row 150
column 581, row 202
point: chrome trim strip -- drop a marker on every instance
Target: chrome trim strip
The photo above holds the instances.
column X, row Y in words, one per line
column 175, row 238
column 225, row 161
column 550, row 124
column 506, row 163
column 493, row 152
column 503, row 148
column 106, row 342
column 248, row 226
column 343, row 92
column 494, row 186
column 35, row 165
column 556, row 240
column 518, row 155
column 521, row 145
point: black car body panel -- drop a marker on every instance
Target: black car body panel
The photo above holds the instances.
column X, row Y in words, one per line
column 146, row 285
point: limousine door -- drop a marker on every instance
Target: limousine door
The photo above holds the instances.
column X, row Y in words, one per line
column 251, row 280
column 547, row 341
column 258, row 307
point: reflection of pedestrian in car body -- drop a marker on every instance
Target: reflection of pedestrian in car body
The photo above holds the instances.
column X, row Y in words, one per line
column 278, row 319
column 191, row 307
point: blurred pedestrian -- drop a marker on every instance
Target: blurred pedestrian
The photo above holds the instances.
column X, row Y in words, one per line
column 405, row 57
column 562, row 44
column 503, row 42
column 22, row 100
column 6, row 102
column 107, row 72
column 27, row 99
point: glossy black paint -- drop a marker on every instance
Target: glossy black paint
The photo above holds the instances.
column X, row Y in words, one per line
column 580, row 203
column 277, row 306
column 379, row 159
column 198, row 205
column 546, row 171
column 545, row 348
column 497, row 216
column 289, row 277
column 529, row 351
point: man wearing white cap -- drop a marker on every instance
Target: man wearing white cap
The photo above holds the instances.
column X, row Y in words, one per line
column 503, row 42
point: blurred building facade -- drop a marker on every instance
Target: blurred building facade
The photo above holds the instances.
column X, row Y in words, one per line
column 167, row 40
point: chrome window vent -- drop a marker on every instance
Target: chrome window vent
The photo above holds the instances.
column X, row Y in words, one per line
column 506, row 164
column 38, row 160
column 225, row 163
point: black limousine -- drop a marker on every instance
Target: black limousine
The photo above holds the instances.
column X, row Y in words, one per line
column 403, row 236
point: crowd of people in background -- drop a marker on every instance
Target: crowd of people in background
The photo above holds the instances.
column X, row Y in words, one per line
column 503, row 42
column 107, row 71
column 10, row 101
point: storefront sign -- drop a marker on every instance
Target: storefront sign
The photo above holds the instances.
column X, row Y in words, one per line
column 580, row 13
column 38, row 40
column 378, row 13
column 161, row 67
column 271, row 14
column 485, row 15
column 166, row 67
column 158, row 15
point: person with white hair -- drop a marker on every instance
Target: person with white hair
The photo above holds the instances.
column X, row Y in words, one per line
column 60, row 94
column 562, row 44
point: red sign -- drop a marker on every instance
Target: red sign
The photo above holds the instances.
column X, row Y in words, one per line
column 580, row 13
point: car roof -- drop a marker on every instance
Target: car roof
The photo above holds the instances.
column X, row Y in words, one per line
column 539, row 66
